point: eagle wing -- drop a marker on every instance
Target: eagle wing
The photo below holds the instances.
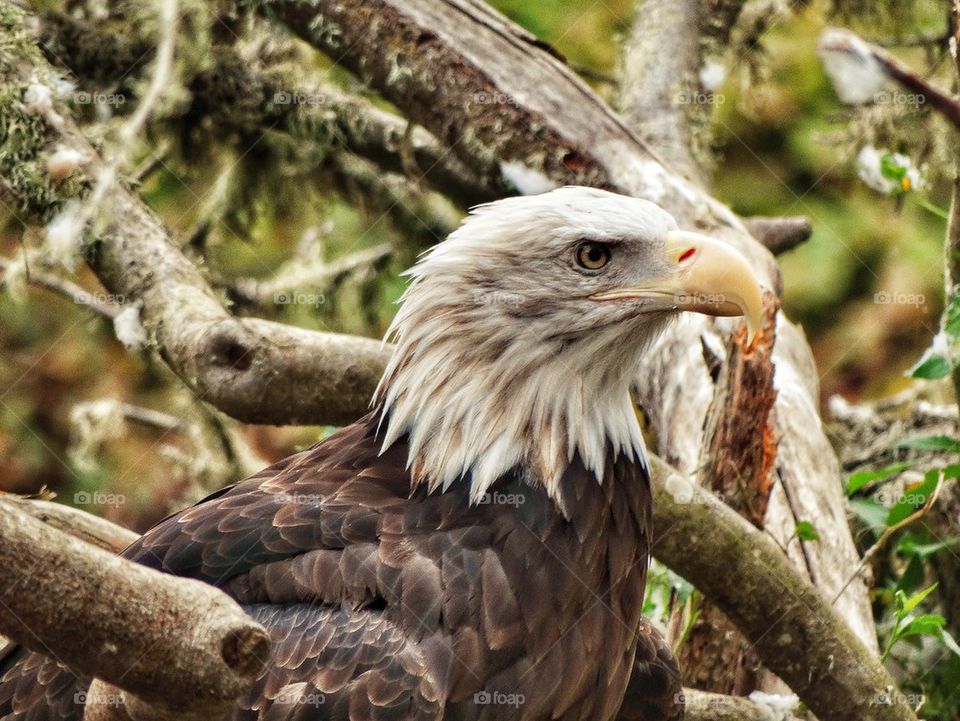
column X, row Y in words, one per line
column 334, row 655
column 382, row 604
column 316, row 548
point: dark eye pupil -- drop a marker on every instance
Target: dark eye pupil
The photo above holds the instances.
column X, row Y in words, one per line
column 592, row 256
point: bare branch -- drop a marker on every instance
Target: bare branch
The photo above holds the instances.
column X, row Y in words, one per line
column 54, row 583
column 65, row 288
column 80, row 524
column 855, row 50
column 780, row 234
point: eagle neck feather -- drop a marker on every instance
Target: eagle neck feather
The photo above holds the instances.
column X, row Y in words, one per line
column 472, row 413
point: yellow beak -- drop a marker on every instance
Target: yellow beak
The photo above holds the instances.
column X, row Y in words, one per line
column 709, row 277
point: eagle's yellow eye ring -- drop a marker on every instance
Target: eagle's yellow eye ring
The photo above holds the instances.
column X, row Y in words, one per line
column 592, row 255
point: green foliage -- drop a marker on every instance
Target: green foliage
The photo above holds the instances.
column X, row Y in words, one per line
column 932, row 368
column 864, row 478
column 906, row 602
column 940, row 444
column 806, row 531
column 906, row 623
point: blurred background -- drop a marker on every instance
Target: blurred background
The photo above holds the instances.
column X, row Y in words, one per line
column 867, row 287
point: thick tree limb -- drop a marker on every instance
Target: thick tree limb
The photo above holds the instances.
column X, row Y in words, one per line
column 53, row 584
column 85, row 526
column 661, row 90
column 702, row 539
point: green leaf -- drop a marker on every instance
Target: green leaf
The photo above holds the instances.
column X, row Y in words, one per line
column 932, row 368
column 873, row 514
column 806, row 531
column 862, row 478
column 891, row 169
column 944, row 444
column 913, row 498
column 913, row 575
column 929, row 624
column 911, row 547
column 906, row 605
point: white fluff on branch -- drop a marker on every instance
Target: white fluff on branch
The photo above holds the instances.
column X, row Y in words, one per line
column 38, row 100
column 64, row 235
column 780, row 706
column 128, row 327
column 855, row 72
column 65, row 160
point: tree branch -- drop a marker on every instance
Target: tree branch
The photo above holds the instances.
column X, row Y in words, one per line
column 703, row 706
column 86, row 526
column 857, row 50
column 240, row 94
column 661, row 90
column 779, row 234
column 794, row 628
column 254, row 370
column 53, row 584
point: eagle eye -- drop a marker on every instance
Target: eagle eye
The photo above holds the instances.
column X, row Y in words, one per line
column 591, row 255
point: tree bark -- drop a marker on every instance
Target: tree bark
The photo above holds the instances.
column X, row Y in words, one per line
column 54, row 584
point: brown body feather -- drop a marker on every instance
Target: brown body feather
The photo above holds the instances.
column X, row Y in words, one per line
column 387, row 604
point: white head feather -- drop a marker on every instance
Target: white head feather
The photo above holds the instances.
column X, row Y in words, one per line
column 505, row 361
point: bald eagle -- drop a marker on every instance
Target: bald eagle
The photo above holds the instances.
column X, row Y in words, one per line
column 476, row 546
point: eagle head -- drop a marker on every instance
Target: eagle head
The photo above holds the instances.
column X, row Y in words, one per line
column 519, row 335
